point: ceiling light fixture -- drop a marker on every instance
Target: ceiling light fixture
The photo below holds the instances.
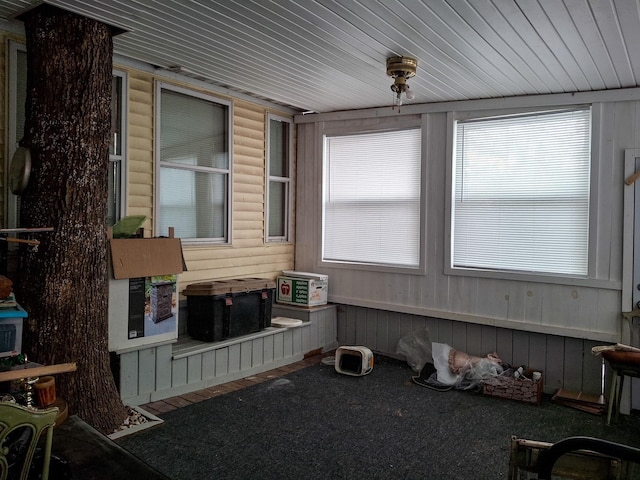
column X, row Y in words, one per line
column 400, row 69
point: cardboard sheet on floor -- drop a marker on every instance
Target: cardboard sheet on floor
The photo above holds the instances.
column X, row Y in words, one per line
column 595, row 404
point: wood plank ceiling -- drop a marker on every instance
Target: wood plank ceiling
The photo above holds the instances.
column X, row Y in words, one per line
column 329, row 55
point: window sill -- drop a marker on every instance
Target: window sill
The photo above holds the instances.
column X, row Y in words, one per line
column 536, row 278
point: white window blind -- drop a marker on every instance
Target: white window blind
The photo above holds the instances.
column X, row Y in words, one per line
column 521, row 193
column 372, row 198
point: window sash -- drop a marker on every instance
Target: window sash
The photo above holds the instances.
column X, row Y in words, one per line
column 522, row 192
column 117, row 179
column 278, row 185
column 372, row 199
column 195, row 166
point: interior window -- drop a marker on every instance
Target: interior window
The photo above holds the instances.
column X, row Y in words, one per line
column 279, row 179
column 372, row 199
column 195, row 166
column 521, row 193
column 116, row 148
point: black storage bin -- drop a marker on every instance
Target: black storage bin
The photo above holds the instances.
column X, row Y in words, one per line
column 223, row 309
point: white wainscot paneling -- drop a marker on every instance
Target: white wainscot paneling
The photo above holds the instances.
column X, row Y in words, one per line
column 566, row 362
column 157, row 372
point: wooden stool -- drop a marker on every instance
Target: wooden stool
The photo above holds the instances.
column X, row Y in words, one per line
column 621, row 364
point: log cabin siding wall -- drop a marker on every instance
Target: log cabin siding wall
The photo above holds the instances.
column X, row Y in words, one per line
column 248, row 255
column 140, row 167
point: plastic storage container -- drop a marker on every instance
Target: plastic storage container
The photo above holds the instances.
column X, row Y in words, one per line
column 218, row 310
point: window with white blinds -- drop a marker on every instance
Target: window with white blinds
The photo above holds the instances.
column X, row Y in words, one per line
column 372, row 198
column 195, row 166
column 521, row 193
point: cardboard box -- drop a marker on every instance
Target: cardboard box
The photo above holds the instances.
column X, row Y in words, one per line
column 146, row 257
column 143, row 291
column 302, row 288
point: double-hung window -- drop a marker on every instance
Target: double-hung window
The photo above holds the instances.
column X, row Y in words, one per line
column 195, row 165
column 372, row 199
column 279, row 178
column 521, row 192
column 117, row 149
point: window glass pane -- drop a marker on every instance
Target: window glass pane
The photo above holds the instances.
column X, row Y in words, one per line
column 194, row 131
column 195, row 167
column 21, row 93
column 278, row 149
column 20, row 114
column 279, row 181
column 372, row 198
column 113, row 201
column 521, row 194
column 194, row 203
column 277, row 209
column 115, row 147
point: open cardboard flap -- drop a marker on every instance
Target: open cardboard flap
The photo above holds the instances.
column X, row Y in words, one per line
column 146, row 257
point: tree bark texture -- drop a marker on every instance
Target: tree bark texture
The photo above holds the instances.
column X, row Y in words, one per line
column 63, row 285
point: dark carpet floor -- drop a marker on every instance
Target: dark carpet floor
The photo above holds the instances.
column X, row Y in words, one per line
column 318, row 424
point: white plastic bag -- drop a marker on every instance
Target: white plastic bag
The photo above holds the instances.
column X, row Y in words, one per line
column 416, row 348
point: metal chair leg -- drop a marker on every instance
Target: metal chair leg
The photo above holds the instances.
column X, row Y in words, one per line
column 612, row 395
column 619, row 394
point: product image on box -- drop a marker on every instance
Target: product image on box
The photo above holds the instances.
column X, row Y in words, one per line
column 152, row 305
column 161, row 299
column 218, row 310
column 302, row 288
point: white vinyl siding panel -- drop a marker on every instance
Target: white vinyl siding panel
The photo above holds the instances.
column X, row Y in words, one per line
column 248, row 255
column 140, row 145
column 565, row 362
column 581, row 308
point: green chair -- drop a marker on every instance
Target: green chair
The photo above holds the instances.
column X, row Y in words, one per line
column 20, row 431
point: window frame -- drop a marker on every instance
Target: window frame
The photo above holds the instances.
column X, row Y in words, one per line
column 122, row 157
column 12, row 201
column 402, row 124
column 590, row 278
column 286, row 181
column 160, row 86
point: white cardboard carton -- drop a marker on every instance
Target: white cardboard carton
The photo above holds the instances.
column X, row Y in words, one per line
column 302, row 288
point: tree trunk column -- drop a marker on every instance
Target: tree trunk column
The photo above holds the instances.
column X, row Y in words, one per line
column 64, row 286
